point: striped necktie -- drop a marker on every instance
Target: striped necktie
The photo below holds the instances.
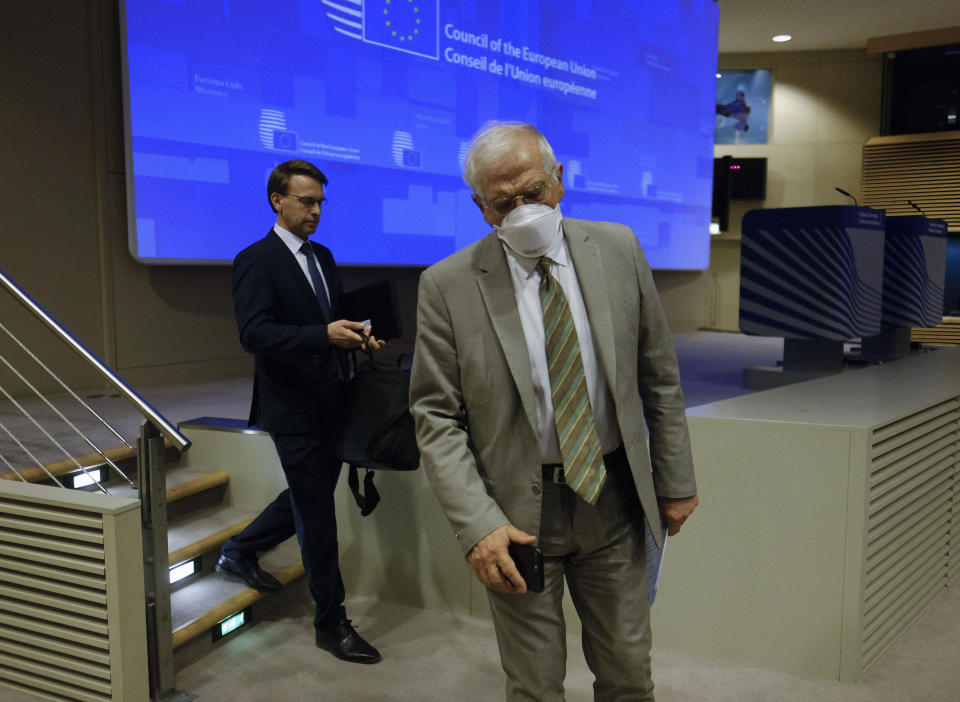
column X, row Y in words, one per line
column 583, row 468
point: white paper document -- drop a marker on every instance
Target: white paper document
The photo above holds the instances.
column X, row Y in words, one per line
column 654, row 561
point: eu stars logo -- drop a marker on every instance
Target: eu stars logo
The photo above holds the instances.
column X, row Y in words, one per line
column 410, row 26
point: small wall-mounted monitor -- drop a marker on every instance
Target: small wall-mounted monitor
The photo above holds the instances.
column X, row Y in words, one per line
column 747, row 176
column 736, row 179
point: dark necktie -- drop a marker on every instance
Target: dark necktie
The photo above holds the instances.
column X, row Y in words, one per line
column 583, row 468
column 317, row 279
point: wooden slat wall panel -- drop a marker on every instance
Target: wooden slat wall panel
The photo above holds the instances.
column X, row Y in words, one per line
column 947, row 333
column 923, row 168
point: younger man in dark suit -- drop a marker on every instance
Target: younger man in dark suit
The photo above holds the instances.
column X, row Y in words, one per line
column 285, row 293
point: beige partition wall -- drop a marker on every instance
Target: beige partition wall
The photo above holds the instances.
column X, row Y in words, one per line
column 824, row 529
column 72, row 613
column 403, row 552
column 828, row 519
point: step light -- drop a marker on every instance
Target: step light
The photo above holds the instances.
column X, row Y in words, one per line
column 91, row 477
column 184, row 570
column 230, row 624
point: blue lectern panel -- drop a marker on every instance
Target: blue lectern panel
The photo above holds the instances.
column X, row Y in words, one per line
column 914, row 264
column 812, row 272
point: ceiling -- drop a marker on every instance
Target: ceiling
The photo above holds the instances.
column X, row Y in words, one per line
column 747, row 25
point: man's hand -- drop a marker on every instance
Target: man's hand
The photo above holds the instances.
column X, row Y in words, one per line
column 373, row 343
column 492, row 564
column 344, row 334
column 676, row 510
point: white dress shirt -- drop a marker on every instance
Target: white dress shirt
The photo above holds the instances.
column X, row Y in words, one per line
column 526, row 286
column 294, row 243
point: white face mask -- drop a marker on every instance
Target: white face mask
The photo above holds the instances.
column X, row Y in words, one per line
column 530, row 230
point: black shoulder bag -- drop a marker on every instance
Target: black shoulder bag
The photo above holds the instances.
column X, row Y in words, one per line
column 375, row 427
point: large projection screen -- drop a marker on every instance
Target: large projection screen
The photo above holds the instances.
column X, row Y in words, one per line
column 383, row 95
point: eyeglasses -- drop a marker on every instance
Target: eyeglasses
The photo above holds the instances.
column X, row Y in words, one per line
column 503, row 205
column 307, row 202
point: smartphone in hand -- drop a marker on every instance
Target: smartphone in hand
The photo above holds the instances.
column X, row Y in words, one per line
column 529, row 561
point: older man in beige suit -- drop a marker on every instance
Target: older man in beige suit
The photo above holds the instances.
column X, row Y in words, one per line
column 542, row 352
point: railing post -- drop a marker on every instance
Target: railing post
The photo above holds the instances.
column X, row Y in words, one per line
column 153, row 499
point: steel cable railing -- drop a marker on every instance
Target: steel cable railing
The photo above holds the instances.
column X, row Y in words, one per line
column 149, row 451
column 106, row 374
column 66, row 387
column 39, row 395
column 28, row 452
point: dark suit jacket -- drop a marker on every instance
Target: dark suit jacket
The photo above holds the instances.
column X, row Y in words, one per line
column 282, row 325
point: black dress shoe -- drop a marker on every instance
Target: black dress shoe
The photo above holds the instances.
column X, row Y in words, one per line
column 342, row 640
column 250, row 572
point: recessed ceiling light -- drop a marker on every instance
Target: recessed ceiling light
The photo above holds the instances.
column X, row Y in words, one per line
column 782, row 37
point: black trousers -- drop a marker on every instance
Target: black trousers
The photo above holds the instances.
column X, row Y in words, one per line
column 305, row 508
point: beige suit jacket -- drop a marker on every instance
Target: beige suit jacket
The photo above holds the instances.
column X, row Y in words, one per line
column 472, row 392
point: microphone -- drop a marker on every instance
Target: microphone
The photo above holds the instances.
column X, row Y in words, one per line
column 916, row 207
column 844, row 192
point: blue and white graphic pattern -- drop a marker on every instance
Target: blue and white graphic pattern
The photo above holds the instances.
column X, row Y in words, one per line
column 914, row 264
column 812, row 272
column 270, row 122
column 403, row 151
column 410, row 26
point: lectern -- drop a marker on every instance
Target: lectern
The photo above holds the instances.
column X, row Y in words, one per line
column 813, row 275
column 914, row 268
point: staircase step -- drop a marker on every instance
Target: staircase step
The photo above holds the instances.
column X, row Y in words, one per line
column 214, row 597
column 36, row 474
column 181, row 483
column 205, row 531
column 199, row 483
column 117, row 454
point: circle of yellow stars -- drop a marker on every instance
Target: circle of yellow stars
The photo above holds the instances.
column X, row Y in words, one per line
column 393, row 32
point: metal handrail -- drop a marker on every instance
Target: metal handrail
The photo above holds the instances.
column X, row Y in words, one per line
column 148, row 411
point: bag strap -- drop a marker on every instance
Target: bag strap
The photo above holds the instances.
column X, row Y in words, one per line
column 352, row 354
column 365, row 348
column 368, row 501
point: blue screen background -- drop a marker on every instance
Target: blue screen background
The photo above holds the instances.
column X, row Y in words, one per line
column 384, row 95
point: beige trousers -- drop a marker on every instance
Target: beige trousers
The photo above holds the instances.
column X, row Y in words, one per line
column 598, row 550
